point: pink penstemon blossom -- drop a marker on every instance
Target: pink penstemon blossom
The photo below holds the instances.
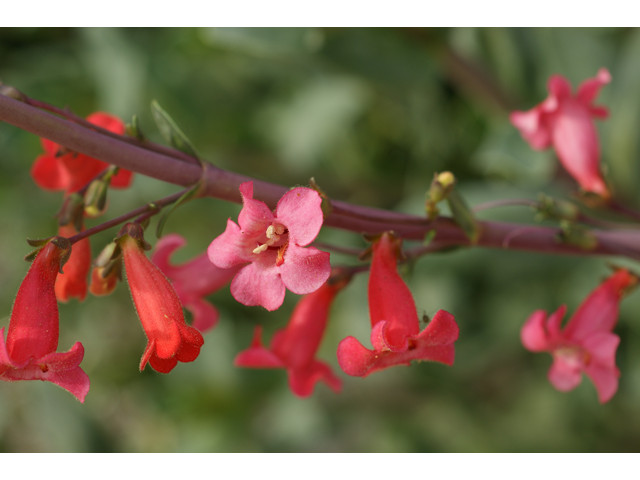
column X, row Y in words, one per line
column 566, row 122
column 32, row 340
column 270, row 245
column 170, row 339
column 395, row 334
column 586, row 344
column 193, row 280
column 295, row 346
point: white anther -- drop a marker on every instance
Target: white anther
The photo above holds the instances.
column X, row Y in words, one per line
column 261, row 248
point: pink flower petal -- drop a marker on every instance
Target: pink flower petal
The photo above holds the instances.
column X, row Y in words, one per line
column 590, row 88
column 576, row 142
column 257, row 356
column 534, row 334
column 563, row 376
column 304, row 269
column 163, row 251
column 255, row 216
column 299, row 210
column 599, row 311
column 532, row 128
column 231, row 248
column 441, row 330
column 602, row 348
column 259, row 283
column 354, row 359
column 61, row 369
column 303, row 381
column 605, row 379
column 553, row 324
column 559, row 87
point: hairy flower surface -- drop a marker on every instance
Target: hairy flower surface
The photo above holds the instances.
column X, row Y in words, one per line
column 586, row 344
column 270, row 246
column 566, row 122
column 32, row 340
column 73, row 282
column 170, row 339
column 295, row 346
column 396, row 335
column 193, row 280
column 59, row 169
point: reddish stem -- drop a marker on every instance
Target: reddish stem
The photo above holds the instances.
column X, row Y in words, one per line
column 222, row 184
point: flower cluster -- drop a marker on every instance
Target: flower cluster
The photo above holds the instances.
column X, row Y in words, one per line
column 270, row 251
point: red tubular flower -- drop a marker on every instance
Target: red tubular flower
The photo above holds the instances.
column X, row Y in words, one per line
column 170, row 339
column 396, row 335
column 566, row 122
column 59, row 169
column 73, row 282
column 295, row 346
column 193, row 280
column 32, row 340
column 586, row 344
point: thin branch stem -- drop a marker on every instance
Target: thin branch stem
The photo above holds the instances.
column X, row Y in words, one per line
column 154, row 207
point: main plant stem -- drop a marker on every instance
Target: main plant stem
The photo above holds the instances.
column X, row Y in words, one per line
column 148, row 159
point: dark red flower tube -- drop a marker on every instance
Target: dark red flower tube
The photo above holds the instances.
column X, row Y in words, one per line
column 73, row 282
column 295, row 346
column 32, row 340
column 170, row 339
column 396, row 335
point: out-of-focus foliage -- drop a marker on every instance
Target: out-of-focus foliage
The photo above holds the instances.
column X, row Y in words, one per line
column 371, row 114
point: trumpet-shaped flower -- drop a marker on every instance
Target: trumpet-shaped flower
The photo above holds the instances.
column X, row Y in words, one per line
column 59, row 169
column 170, row 339
column 270, row 246
column 396, row 335
column 586, row 344
column 30, row 350
column 295, row 346
column 566, row 122
column 193, row 280
column 73, row 282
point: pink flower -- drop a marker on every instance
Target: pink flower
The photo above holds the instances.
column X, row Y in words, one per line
column 32, row 341
column 295, row 346
column 193, row 280
column 271, row 244
column 586, row 343
column 566, row 122
column 170, row 339
column 59, row 169
column 396, row 335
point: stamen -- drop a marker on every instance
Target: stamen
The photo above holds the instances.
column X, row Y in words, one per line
column 273, row 235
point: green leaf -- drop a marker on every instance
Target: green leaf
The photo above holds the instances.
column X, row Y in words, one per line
column 170, row 131
column 186, row 196
column 463, row 216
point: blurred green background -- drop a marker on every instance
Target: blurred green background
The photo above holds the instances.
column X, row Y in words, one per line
column 371, row 114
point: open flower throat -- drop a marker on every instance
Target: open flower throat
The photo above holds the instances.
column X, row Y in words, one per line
column 277, row 236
